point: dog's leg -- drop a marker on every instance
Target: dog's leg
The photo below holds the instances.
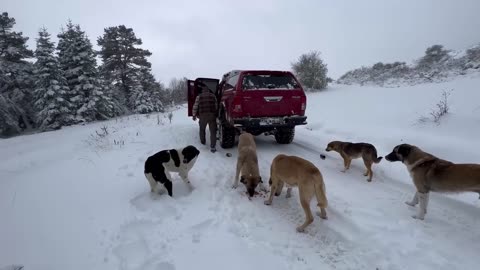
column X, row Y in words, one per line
column 184, row 176
column 273, row 190
column 349, row 161
column 168, row 183
column 306, row 196
column 237, row 173
column 323, row 213
column 422, row 210
column 289, row 192
column 414, row 200
column 346, row 162
column 151, row 181
column 369, row 172
column 279, row 188
column 160, row 189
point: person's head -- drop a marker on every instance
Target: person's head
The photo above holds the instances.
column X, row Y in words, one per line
column 202, row 88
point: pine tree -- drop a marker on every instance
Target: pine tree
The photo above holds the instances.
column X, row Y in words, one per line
column 15, row 79
column 9, row 116
column 139, row 99
column 51, row 90
column 154, row 88
column 123, row 63
column 77, row 60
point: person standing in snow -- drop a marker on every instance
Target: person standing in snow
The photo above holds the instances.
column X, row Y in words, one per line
column 205, row 109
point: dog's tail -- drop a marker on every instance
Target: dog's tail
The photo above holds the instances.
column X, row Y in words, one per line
column 320, row 191
column 376, row 158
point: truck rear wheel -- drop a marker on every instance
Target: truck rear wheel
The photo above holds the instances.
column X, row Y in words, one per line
column 227, row 135
column 285, row 135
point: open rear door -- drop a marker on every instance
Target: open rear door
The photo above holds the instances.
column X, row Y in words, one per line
column 212, row 84
column 192, row 94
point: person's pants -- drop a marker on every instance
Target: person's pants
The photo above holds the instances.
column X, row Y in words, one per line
column 210, row 120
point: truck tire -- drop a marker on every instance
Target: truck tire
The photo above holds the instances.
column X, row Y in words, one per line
column 227, row 136
column 285, row 135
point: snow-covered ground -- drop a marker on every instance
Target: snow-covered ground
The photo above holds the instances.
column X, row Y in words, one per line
column 69, row 201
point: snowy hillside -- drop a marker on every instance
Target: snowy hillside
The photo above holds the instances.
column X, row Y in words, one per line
column 77, row 198
column 437, row 65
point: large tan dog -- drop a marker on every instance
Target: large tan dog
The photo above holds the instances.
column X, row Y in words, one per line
column 247, row 164
column 298, row 172
column 430, row 173
column 349, row 151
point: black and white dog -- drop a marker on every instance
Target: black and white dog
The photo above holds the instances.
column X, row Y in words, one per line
column 159, row 166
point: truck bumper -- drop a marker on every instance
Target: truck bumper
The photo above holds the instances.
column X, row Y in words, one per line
column 270, row 122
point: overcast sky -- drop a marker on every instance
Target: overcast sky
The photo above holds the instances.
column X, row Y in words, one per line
column 209, row 37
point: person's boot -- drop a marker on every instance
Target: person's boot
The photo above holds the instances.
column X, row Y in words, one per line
column 213, row 149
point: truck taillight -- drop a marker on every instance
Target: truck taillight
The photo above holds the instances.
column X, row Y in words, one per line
column 304, row 106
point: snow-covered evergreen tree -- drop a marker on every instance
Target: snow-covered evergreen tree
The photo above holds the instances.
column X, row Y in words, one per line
column 124, row 65
column 140, row 100
column 15, row 79
column 10, row 114
column 154, row 88
column 53, row 109
column 77, row 59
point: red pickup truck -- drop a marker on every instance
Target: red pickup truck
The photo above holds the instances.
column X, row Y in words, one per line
column 257, row 101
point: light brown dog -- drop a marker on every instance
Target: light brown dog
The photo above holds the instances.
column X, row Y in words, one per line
column 349, row 151
column 298, row 172
column 430, row 173
column 247, row 164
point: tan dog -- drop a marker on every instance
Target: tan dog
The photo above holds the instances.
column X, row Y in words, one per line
column 430, row 173
column 350, row 151
column 247, row 164
column 298, row 172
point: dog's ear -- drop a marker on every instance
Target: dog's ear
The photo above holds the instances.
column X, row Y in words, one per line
column 404, row 150
column 242, row 179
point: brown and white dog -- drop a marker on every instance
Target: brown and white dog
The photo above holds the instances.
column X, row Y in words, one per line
column 247, row 164
column 430, row 173
column 294, row 171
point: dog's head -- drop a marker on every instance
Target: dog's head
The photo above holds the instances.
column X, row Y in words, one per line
column 251, row 182
column 189, row 153
column 399, row 153
column 333, row 145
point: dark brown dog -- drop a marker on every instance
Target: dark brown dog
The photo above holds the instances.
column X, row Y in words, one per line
column 349, row 151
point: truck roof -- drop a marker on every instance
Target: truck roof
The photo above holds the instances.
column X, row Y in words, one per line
column 238, row 71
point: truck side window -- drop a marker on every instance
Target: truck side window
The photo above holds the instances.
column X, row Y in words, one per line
column 231, row 83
